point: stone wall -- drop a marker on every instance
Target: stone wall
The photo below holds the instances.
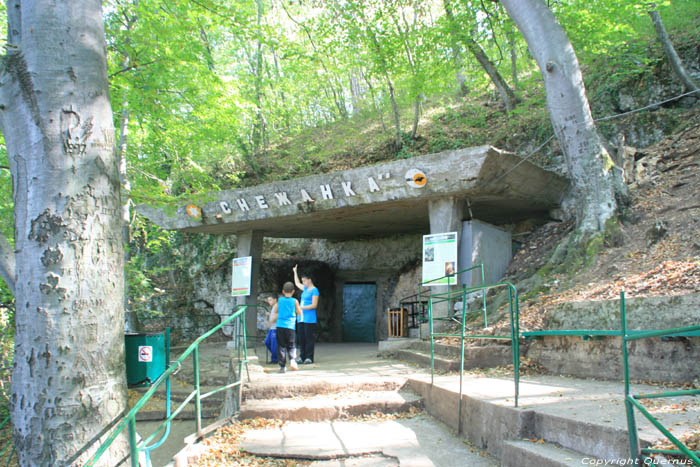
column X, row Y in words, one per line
column 663, row 359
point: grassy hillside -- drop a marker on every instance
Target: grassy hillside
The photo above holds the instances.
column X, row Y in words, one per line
column 449, row 122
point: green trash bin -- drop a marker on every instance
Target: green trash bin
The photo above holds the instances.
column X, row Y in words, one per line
column 146, row 357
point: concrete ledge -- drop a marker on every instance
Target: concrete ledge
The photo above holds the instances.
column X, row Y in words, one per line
column 395, row 343
column 590, row 438
column 486, row 425
column 491, row 425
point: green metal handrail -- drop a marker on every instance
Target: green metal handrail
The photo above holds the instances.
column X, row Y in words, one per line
column 479, row 266
column 130, row 418
column 514, row 308
column 632, row 400
column 8, row 444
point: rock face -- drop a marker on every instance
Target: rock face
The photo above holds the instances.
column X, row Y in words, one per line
column 197, row 294
column 663, row 359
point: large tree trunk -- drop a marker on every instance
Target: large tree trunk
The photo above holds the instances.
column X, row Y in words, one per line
column 671, row 55
column 590, row 166
column 68, row 381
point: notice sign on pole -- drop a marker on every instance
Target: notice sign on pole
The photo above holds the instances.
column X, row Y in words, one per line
column 440, row 259
column 240, row 277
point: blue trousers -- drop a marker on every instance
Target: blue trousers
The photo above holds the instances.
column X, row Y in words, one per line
column 271, row 344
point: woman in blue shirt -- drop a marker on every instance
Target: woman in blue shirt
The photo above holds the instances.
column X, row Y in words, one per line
column 309, row 303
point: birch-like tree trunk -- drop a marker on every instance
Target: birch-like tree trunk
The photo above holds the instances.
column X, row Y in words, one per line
column 68, row 381
column 590, row 166
column 508, row 97
column 670, row 51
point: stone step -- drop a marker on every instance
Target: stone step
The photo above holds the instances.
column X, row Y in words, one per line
column 331, row 406
column 580, row 435
column 528, row 453
column 481, row 353
column 304, row 386
column 442, row 364
column 477, row 357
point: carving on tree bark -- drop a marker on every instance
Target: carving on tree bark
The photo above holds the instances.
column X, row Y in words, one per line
column 73, row 133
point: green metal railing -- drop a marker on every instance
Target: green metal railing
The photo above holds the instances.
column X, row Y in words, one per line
column 8, row 449
column 129, row 420
column 632, row 400
column 449, row 297
column 458, row 294
column 5, row 425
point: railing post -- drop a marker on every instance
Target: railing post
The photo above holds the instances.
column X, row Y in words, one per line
column 483, row 295
column 516, row 346
column 432, row 339
column 197, row 400
column 629, row 408
column 461, row 363
column 133, row 448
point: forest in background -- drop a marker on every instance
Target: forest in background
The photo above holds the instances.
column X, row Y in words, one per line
column 211, row 95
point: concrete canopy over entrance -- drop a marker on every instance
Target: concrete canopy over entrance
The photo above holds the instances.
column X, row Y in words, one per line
column 377, row 200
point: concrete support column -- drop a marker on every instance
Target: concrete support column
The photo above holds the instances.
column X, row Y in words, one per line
column 446, row 215
column 250, row 243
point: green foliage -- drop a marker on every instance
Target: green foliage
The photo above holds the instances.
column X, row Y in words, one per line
column 6, row 204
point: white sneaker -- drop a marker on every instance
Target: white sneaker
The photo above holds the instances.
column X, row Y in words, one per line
column 307, row 361
column 293, row 365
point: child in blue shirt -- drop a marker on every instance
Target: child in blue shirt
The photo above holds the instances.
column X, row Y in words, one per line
column 287, row 309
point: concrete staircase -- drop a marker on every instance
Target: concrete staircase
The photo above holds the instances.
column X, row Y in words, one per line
column 309, row 400
column 525, row 437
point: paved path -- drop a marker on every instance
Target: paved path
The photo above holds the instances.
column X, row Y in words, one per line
column 416, row 442
column 342, row 365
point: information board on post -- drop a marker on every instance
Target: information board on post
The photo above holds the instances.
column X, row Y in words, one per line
column 240, row 276
column 440, row 259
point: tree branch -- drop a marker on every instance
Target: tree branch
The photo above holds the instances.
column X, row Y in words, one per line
column 7, row 263
column 133, row 67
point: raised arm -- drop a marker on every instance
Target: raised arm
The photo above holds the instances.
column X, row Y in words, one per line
column 297, row 282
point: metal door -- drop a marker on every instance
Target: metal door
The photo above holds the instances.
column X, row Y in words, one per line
column 359, row 312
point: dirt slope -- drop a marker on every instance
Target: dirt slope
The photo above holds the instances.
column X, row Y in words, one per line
column 656, row 251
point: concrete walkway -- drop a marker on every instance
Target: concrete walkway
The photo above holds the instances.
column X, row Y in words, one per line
column 562, row 408
column 416, row 442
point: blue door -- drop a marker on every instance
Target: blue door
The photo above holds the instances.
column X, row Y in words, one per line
column 359, row 312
